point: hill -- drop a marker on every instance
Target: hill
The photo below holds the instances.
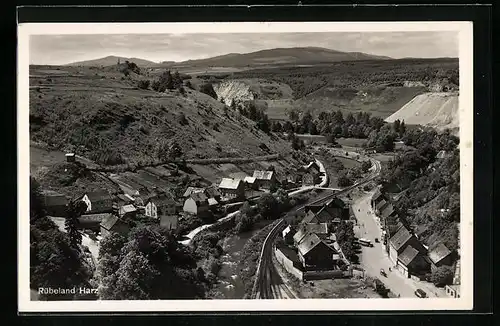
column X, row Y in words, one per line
column 438, row 110
column 280, row 56
column 112, row 60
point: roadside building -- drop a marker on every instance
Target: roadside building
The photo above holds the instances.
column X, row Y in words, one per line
column 265, row 179
column 70, row 157
column 453, row 290
column 315, row 254
column 127, row 212
column 213, row 192
column 402, row 239
column 287, row 234
column 440, row 255
column 92, row 221
column 310, row 179
column 232, row 188
column 55, row 205
column 299, row 235
column 312, row 167
column 123, row 199
column 159, row 205
column 169, row 222
column 320, row 229
column 412, row 262
column 334, row 210
column 387, row 211
column 380, row 205
column 191, row 190
column 376, row 198
column 250, row 183
column 111, row 224
column 196, row 204
column 98, row 202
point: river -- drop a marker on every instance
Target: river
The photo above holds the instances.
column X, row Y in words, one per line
column 230, row 285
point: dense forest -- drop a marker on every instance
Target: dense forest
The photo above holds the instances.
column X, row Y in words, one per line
column 351, row 75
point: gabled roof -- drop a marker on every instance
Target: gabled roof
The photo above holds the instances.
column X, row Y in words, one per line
column 400, row 238
column 263, row 175
column 127, row 209
column 376, row 195
column 310, row 242
column 191, row 190
column 336, row 202
column 228, row 183
column 125, row 198
column 199, row 197
column 212, row 201
column 317, row 228
column 311, row 165
column 160, row 200
column 287, row 230
column 212, row 192
column 55, row 200
column 109, row 221
column 408, row 255
column 169, row 221
column 249, row 179
column 310, row 216
column 100, row 195
column 387, row 211
column 438, row 253
column 381, row 204
column 299, row 235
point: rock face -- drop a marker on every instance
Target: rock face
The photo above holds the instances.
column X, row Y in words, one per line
column 234, row 90
column 439, row 110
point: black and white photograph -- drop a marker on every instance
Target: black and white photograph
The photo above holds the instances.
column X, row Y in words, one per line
column 213, row 166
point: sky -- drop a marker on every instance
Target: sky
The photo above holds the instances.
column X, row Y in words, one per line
column 63, row 49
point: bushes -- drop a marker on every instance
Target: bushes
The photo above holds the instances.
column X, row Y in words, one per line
column 143, row 84
column 208, row 89
column 442, row 276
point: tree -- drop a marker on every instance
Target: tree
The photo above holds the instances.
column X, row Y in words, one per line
column 263, row 123
column 293, row 115
column 365, row 166
column 174, row 151
column 442, row 276
column 402, row 128
column 208, row 89
column 189, row 85
column 330, row 138
column 268, row 206
column 344, row 181
column 74, row 210
column 288, row 127
column 182, row 119
column 37, row 209
column 396, row 126
column 176, row 80
column 143, row 84
column 307, row 118
column 312, row 128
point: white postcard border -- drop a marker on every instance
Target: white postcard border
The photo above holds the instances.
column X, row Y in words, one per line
column 466, row 112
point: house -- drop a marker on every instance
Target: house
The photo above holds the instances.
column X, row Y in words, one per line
column 412, row 262
column 315, row 254
column 401, row 239
column 310, row 179
column 112, row 223
column 127, row 211
column 196, row 204
column 213, row 193
column 92, row 221
column 70, row 157
column 287, row 234
column 265, row 179
column 191, row 190
column 159, row 205
column 98, row 202
column 453, row 290
column 334, row 209
column 123, row 199
column 320, row 229
column 250, row 183
column 312, row 167
column 169, row 221
column 212, row 202
column 387, row 211
column 380, row 205
column 440, row 255
column 376, row 198
column 55, row 204
column 232, row 188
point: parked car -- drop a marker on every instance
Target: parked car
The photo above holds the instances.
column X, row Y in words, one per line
column 383, row 273
column 376, row 240
column 420, row 293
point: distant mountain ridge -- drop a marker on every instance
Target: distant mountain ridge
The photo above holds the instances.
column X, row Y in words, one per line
column 298, row 55
column 113, row 60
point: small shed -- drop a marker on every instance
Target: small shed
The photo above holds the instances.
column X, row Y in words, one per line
column 70, row 157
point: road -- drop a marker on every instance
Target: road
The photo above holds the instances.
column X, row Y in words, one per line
column 267, row 278
column 375, row 258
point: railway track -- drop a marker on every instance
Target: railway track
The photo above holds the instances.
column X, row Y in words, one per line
column 268, row 284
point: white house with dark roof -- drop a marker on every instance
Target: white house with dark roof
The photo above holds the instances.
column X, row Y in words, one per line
column 315, row 254
column 196, row 204
column 400, row 240
column 232, row 188
column 98, row 202
column 264, row 179
column 440, row 255
column 127, row 211
column 112, row 223
column 412, row 262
